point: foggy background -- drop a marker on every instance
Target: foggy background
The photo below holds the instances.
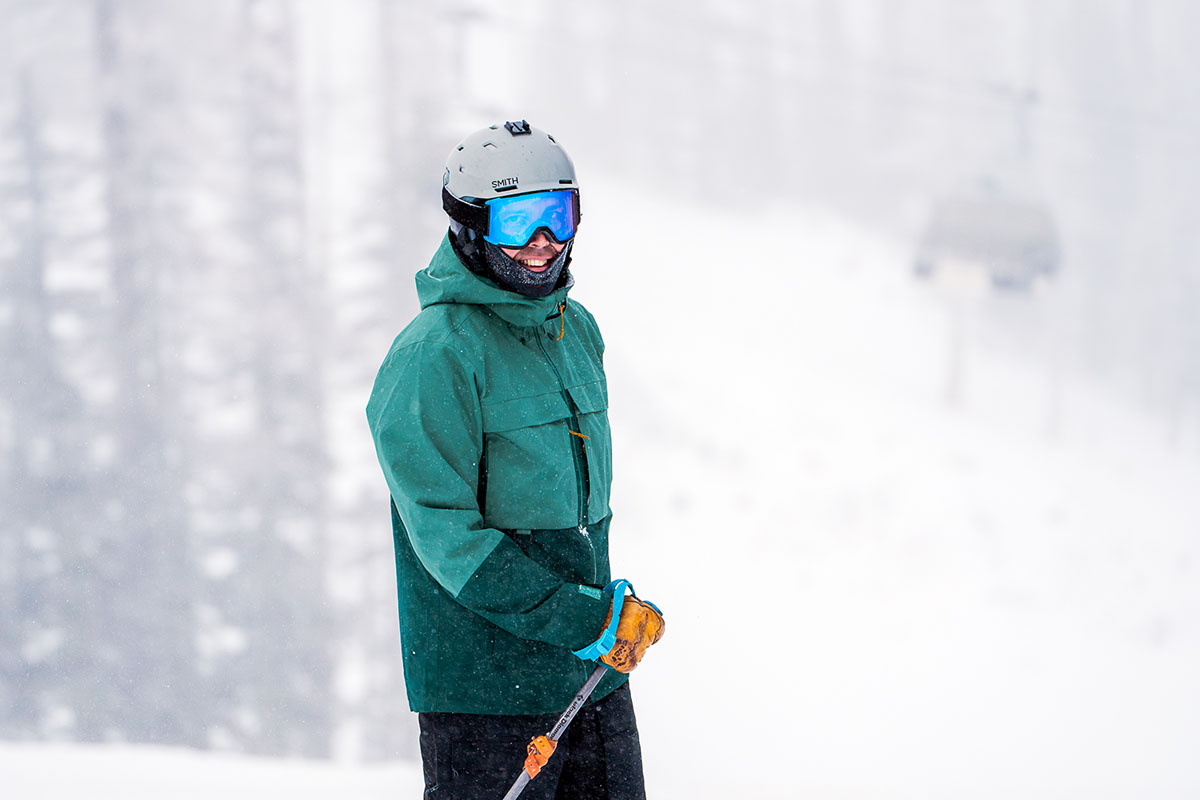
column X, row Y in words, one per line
column 905, row 286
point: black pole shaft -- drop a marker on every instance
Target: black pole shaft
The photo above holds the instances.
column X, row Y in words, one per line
column 560, row 727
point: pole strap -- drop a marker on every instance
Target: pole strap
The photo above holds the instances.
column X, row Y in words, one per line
column 608, row 639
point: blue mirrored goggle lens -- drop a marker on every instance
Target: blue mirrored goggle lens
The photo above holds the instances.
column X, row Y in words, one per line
column 512, row 221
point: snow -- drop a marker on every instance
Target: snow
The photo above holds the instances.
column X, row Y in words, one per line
column 869, row 592
column 126, row 772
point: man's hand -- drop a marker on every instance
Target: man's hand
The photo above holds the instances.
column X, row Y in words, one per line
column 638, row 627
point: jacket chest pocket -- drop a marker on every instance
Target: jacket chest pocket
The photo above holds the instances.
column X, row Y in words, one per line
column 591, row 406
column 530, row 480
column 533, row 469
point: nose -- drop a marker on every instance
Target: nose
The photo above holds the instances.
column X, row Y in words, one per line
column 540, row 239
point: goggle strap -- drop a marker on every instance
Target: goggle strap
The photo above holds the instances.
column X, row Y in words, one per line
column 472, row 216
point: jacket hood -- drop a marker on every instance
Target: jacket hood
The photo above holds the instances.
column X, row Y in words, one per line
column 447, row 280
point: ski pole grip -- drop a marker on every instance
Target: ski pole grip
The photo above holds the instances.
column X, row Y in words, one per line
column 608, row 638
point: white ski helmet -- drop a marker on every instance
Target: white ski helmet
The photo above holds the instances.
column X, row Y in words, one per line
column 503, row 160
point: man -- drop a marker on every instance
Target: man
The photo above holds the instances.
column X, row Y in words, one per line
column 490, row 421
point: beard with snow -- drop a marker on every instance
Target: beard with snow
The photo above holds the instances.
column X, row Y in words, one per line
column 488, row 260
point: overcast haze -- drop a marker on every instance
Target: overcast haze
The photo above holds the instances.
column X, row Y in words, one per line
column 902, row 305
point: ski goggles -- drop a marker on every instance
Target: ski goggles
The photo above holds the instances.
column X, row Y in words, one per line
column 512, row 221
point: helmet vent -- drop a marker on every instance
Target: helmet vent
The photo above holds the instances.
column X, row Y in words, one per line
column 489, row 144
column 460, row 147
column 551, row 138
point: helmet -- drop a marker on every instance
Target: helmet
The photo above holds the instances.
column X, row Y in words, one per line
column 505, row 163
column 515, row 158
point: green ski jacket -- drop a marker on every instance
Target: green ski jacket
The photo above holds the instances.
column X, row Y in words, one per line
column 490, row 420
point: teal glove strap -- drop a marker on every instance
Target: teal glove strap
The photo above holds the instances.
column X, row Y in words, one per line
column 608, row 638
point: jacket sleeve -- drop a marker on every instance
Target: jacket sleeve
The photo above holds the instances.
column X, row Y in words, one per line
column 426, row 421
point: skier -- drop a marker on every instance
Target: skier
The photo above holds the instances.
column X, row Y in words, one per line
column 490, row 421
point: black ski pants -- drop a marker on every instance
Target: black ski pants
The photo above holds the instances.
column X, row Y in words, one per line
column 478, row 756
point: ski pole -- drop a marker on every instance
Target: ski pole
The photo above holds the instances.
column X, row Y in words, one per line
column 542, row 747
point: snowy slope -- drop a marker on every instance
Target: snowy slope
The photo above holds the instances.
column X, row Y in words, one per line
column 123, row 772
column 868, row 593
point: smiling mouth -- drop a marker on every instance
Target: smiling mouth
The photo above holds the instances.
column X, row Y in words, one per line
column 534, row 264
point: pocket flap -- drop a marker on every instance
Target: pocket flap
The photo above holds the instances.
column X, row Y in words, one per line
column 524, row 412
column 590, row 397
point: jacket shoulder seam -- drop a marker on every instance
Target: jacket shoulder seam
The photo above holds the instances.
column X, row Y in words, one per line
column 444, row 337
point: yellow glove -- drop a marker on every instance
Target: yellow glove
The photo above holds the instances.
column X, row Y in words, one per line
column 638, row 627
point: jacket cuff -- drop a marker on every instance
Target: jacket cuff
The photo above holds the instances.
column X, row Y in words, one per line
column 593, row 606
column 524, row 598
